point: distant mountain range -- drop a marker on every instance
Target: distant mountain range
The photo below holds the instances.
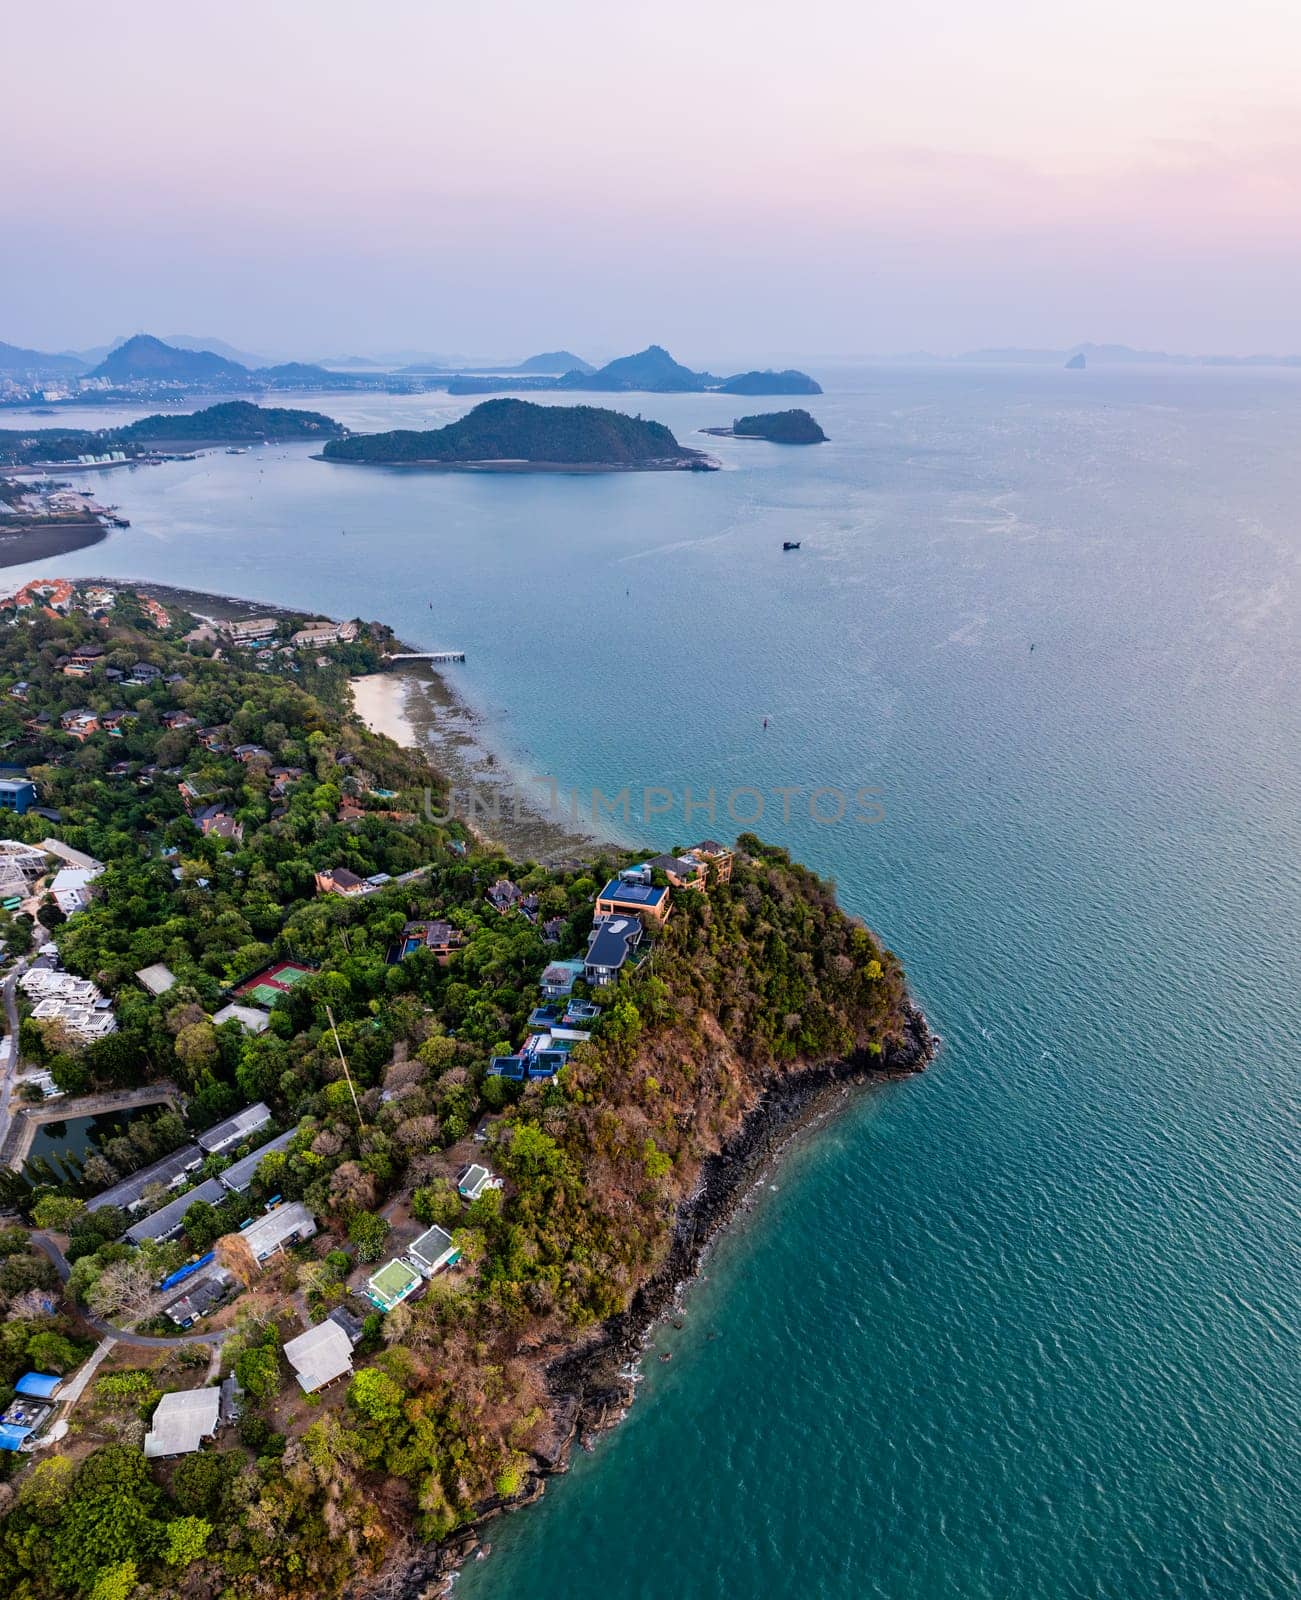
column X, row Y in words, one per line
column 1118, row 355
column 144, row 357
column 17, row 363
column 650, row 371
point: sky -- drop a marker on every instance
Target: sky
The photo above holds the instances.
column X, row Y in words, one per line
column 739, row 181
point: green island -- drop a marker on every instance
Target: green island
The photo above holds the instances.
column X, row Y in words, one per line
column 231, row 422
column 421, row 1137
column 779, row 427
column 519, row 435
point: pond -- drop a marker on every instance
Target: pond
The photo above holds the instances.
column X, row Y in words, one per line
column 59, row 1149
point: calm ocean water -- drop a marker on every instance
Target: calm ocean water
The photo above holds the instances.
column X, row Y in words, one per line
column 1027, row 1326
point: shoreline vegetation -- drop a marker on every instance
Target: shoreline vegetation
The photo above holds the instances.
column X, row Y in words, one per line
column 234, row 422
column 245, row 821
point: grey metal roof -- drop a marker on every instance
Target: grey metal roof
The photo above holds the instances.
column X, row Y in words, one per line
column 182, row 1421
column 239, row 1174
column 234, row 1130
column 611, row 940
column 320, row 1355
column 163, row 1223
column 167, row 1171
column 268, row 1232
column 430, row 1248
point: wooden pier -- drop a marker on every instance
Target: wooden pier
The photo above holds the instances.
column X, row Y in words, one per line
column 430, row 655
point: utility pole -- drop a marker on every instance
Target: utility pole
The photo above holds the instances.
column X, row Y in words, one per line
column 344, row 1063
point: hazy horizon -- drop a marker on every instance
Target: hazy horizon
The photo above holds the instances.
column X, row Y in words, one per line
column 738, row 184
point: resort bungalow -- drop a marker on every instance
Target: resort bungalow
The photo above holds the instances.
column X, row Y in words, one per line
column 232, row 1131
column 339, row 880
column 391, row 1285
column 681, row 871
column 215, row 822
column 433, row 1251
column 440, row 937
column 182, row 1421
column 270, row 1233
column 613, row 941
column 471, row 1181
column 559, row 978
column 504, row 895
column 320, row 1355
column 632, row 893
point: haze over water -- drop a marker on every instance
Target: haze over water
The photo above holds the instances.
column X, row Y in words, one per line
column 1026, row 1326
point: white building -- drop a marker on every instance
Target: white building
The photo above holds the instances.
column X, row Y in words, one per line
column 70, row 887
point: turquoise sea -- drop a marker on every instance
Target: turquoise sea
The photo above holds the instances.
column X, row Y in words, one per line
column 1027, row 1326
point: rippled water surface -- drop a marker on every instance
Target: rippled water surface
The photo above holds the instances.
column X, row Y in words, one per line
column 1027, row 1326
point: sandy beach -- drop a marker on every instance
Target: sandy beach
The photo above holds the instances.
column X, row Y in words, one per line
column 417, row 708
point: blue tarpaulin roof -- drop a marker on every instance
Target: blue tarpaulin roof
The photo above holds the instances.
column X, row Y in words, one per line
column 38, row 1384
column 11, row 1437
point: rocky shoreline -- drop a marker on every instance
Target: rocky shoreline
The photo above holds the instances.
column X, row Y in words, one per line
column 589, row 1391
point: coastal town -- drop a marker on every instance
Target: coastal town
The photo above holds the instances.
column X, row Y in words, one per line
column 320, row 1116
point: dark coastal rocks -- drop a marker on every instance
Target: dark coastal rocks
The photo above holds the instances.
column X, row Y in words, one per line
column 588, row 1391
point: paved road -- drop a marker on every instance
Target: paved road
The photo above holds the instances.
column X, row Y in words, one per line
column 46, row 1245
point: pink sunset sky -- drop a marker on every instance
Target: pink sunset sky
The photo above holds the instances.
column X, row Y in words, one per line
column 734, row 180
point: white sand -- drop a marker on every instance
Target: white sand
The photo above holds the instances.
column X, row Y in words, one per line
column 381, row 701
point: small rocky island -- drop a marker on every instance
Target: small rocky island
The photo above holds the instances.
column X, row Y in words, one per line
column 779, row 427
column 520, row 436
column 233, row 422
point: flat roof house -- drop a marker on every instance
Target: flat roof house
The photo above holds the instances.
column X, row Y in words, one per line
column 17, row 794
column 250, row 1018
column 268, row 1234
column 70, row 888
column 250, row 629
column 182, row 1421
column 433, row 1251
column 391, row 1285
column 634, row 895
column 158, row 979
column 320, row 1355
column 613, row 940
column 225, row 1135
